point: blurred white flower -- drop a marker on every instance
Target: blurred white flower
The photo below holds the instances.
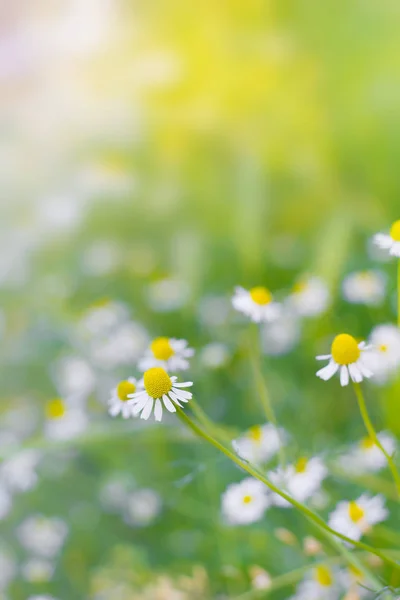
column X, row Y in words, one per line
column 214, row 355
column 120, row 395
column 256, row 303
column 121, row 347
column 391, row 241
column 280, row 336
column 365, row 456
column 348, row 357
column 384, row 355
column 101, row 258
column 114, row 492
column 169, row 353
column 280, row 478
column 64, row 422
column 8, row 569
column 43, row 536
column 102, row 317
column 320, row 584
column 355, row 518
column 214, row 311
column 365, row 287
column 59, row 213
column 142, row 507
column 5, row 502
column 260, row 443
column 167, row 295
column 160, row 390
column 260, row 579
column 18, row 473
column 73, row 376
column 301, row 480
column 244, row 502
column 37, row 570
column 41, row 597
column 309, row 297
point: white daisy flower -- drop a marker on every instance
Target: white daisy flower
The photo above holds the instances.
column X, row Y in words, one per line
column 159, row 389
column 280, row 478
column 365, row 456
column 142, row 507
column 256, row 303
column 355, row 518
column 390, row 241
column 348, row 357
column 281, row 335
column 167, row 295
column 102, row 317
column 37, row 570
column 355, row 584
column 245, row 502
column 260, row 443
column 18, row 473
column 120, row 395
column 73, row 375
column 63, row 421
column 365, row 287
column 123, row 346
column 168, row 353
column 310, row 297
column 305, row 477
column 215, row 355
column 42, row 536
column 321, row 584
column 384, row 355
column 260, row 578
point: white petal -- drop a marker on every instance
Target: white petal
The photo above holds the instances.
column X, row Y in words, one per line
column 365, row 371
column 140, row 404
column 158, row 410
column 114, row 410
column 355, row 373
column 146, row 412
column 362, row 345
column 323, row 357
column 328, row 371
column 182, row 393
column 174, row 398
column 395, row 250
column 137, row 395
column 184, row 384
column 168, row 404
column 344, row 375
column 126, row 411
column 383, row 240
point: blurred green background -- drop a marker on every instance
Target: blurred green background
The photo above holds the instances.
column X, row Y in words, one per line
column 211, row 144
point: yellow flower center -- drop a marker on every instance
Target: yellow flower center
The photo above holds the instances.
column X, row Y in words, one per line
column 161, row 348
column 301, row 465
column 356, row 513
column 367, row 443
column 323, row 576
column 124, row 388
column 260, row 295
column 55, row 409
column 395, row 231
column 345, row 349
column 383, row 348
column 157, row 382
column 247, row 499
column 300, row 286
column 255, row 433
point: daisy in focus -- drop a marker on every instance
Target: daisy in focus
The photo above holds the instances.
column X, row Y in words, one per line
column 245, row 502
column 365, row 287
column 390, row 241
column 365, row 456
column 168, row 353
column 260, row 443
column 384, row 355
column 309, row 297
column 120, row 395
column 256, row 303
column 347, row 357
column 160, row 390
column 321, row 584
column 355, row 518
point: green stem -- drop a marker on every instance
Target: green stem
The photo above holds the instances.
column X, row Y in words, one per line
column 217, row 431
column 301, row 507
column 372, row 434
column 263, row 393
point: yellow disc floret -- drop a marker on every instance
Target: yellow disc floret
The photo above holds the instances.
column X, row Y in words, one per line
column 55, row 409
column 247, row 499
column 157, row 382
column 124, row 388
column 367, row 443
column 345, row 350
column 395, row 231
column 255, row 433
column 300, row 286
column 323, row 576
column 301, row 465
column 356, row 513
column 260, row 295
column 161, row 348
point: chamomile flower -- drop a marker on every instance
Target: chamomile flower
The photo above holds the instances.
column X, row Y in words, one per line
column 43, row 536
column 18, row 473
column 37, row 570
column 355, row 518
column 256, row 303
column 390, row 241
column 384, row 355
column 365, row 456
column 365, row 287
column 168, row 353
column 63, row 421
column 305, row 477
column 260, row 443
column 310, row 297
column 119, row 398
column 245, row 502
column 142, row 507
column 347, row 357
column 159, row 390
column 280, row 478
column 321, row 584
